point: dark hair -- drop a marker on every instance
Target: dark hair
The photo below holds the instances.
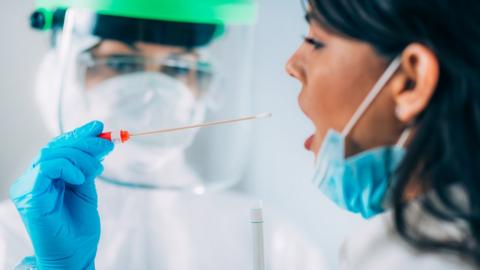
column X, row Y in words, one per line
column 445, row 151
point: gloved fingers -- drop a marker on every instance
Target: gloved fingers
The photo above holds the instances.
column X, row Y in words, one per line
column 90, row 166
column 94, row 146
column 92, row 129
column 61, row 169
column 39, row 179
column 85, row 139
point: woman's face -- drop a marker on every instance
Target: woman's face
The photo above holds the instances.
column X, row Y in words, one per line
column 336, row 74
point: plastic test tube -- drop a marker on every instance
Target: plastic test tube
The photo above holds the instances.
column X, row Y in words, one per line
column 256, row 218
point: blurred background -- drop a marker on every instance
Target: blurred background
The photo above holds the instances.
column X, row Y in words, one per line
column 279, row 170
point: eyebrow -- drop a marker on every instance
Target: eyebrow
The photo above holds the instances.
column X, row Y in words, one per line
column 182, row 51
column 93, row 50
column 133, row 49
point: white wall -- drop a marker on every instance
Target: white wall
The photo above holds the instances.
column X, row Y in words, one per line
column 280, row 168
column 20, row 52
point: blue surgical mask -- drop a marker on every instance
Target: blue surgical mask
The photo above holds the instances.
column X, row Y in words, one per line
column 358, row 183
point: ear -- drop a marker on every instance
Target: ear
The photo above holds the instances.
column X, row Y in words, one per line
column 415, row 82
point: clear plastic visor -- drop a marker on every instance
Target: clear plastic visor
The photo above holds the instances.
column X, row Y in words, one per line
column 165, row 78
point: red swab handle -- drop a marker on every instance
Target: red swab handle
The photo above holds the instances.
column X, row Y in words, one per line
column 116, row 136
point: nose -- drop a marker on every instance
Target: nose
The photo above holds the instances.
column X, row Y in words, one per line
column 289, row 68
column 293, row 67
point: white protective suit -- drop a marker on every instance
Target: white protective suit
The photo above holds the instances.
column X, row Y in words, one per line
column 145, row 229
column 378, row 246
column 151, row 229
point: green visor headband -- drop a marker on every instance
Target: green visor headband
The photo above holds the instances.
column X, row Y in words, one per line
column 131, row 30
column 223, row 12
column 186, row 23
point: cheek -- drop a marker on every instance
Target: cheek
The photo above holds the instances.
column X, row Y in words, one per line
column 322, row 107
column 336, row 79
column 320, row 100
column 326, row 100
column 330, row 97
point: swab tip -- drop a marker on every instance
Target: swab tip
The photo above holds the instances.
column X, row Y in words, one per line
column 264, row 115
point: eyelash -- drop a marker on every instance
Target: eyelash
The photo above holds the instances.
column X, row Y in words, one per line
column 315, row 43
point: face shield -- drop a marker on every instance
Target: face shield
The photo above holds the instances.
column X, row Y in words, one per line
column 142, row 75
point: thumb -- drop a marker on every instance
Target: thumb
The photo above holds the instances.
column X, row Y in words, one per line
column 91, row 129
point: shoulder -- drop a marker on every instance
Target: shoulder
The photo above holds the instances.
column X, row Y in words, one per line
column 378, row 246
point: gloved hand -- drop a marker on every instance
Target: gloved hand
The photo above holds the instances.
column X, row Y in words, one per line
column 57, row 199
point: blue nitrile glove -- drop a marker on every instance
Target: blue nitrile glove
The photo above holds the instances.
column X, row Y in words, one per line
column 57, row 199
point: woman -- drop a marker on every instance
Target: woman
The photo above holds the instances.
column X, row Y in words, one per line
column 426, row 104
column 390, row 87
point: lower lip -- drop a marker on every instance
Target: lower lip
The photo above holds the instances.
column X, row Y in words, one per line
column 308, row 142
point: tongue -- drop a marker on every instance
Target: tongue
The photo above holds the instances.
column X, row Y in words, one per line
column 308, row 142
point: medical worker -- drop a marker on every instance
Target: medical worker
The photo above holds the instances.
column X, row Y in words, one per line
column 393, row 90
column 138, row 66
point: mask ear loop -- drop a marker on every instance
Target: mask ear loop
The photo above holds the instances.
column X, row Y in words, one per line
column 377, row 88
column 404, row 138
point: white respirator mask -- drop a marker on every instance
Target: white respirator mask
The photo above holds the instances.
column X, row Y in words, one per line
column 146, row 101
